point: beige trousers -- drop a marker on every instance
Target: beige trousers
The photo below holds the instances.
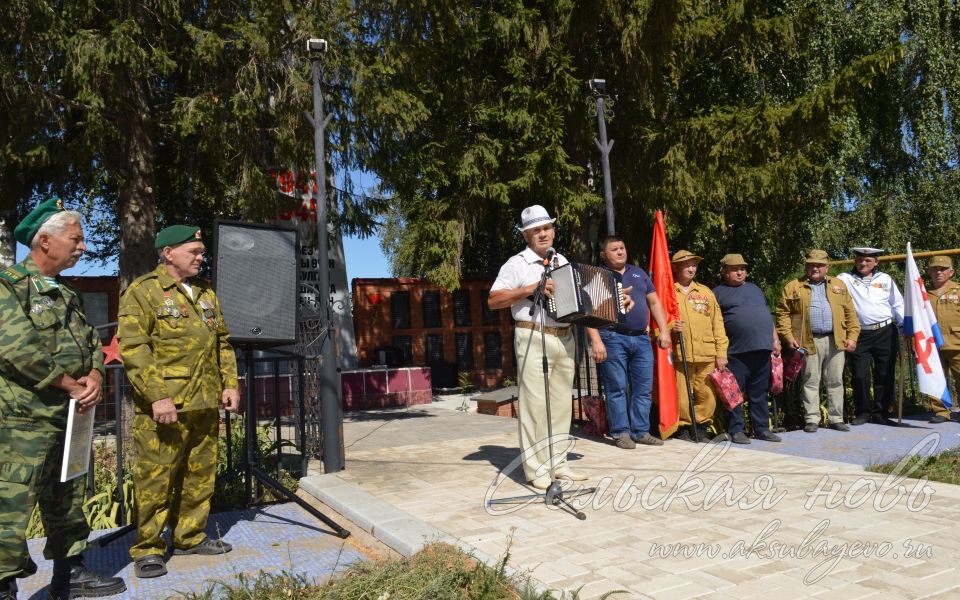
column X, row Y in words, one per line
column 825, row 366
column 532, row 403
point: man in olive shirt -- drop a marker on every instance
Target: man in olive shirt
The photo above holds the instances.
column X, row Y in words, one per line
column 704, row 342
column 176, row 351
column 944, row 296
column 816, row 313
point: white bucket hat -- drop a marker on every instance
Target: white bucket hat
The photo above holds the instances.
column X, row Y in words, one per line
column 534, row 216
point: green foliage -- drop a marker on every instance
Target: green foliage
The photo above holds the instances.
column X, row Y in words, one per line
column 944, row 467
column 102, row 509
column 766, row 128
column 152, row 113
column 230, row 493
column 762, row 128
column 437, row 571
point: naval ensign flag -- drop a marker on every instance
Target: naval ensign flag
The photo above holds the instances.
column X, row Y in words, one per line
column 920, row 327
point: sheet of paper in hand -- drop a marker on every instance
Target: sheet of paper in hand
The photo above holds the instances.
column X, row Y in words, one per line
column 78, row 442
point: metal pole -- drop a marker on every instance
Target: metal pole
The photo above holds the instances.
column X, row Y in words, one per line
column 692, row 407
column 604, row 146
column 331, row 410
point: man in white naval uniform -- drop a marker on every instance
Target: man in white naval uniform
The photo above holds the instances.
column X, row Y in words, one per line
column 879, row 306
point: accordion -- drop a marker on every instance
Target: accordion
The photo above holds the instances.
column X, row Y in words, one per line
column 586, row 295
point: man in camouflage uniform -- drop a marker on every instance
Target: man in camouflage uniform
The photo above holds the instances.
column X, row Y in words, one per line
column 944, row 296
column 704, row 342
column 48, row 354
column 175, row 349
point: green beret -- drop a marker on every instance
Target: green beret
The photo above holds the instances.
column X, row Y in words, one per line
column 177, row 234
column 28, row 227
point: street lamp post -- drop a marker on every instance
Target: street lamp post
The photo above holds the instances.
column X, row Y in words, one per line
column 331, row 409
column 598, row 88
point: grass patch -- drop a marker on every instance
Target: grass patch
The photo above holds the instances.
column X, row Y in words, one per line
column 944, row 467
column 439, row 571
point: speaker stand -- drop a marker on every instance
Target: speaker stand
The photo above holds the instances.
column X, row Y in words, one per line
column 250, row 467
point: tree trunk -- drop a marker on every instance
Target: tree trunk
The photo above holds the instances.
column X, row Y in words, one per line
column 8, row 247
column 137, row 201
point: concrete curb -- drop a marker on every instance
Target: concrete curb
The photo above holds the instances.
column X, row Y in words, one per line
column 397, row 529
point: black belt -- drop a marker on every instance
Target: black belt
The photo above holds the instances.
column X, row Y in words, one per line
column 815, row 334
column 630, row 331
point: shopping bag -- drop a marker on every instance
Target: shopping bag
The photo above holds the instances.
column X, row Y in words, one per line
column 727, row 389
column 776, row 374
column 793, row 364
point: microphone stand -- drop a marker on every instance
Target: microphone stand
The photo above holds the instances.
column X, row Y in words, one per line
column 554, row 494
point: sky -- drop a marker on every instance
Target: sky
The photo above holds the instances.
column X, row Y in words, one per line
column 364, row 259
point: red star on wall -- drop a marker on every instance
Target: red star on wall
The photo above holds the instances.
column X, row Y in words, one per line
column 111, row 352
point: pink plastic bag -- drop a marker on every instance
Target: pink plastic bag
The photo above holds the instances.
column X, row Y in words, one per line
column 727, row 389
column 776, row 374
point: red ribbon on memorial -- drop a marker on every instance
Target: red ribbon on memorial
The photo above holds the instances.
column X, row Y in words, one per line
column 664, row 376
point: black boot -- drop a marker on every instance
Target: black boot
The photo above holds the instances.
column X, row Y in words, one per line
column 8, row 589
column 72, row 579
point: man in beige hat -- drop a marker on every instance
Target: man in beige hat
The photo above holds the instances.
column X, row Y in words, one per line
column 513, row 288
column 944, row 296
column 749, row 327
column 704, row 342
column 816, row 313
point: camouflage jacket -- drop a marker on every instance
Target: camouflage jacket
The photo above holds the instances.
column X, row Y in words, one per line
column 45, row 335
column 172, row 345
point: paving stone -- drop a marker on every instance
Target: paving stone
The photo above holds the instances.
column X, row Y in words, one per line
column 272, row 539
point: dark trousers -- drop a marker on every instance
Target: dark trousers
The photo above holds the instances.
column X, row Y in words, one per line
column 752, row 371
column 880, row 346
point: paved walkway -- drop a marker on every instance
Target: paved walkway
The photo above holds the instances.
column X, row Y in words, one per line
column 273, row 539
column 671, row 522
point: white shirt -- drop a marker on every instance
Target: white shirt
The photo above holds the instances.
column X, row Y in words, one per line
column 520, row 270
column 876, row 297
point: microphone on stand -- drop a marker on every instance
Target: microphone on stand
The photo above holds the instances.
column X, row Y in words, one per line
column 551, row 253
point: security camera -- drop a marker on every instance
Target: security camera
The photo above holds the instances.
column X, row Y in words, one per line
column 597, row 86
column 316, row 45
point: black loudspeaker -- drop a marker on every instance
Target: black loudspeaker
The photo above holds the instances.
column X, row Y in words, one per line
column 256, row 277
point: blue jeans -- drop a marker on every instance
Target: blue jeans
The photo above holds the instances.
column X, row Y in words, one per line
column 629, row 364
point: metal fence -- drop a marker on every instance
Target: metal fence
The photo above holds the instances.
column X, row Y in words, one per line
column 278, row 394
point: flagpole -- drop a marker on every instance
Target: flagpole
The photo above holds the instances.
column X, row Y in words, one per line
column 903, row 365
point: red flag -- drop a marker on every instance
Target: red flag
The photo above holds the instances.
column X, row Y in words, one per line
column 665, row 378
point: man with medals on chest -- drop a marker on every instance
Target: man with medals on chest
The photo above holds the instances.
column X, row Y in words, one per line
column 944, row 296
column 176, row 351
column 705, row 345
column 879, row 307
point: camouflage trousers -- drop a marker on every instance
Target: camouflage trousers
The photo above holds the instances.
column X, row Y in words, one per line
column 173, row 479
column 30, row 463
